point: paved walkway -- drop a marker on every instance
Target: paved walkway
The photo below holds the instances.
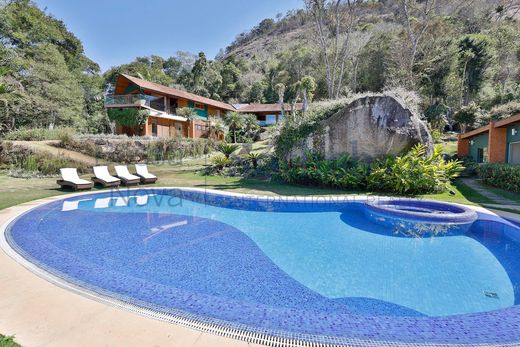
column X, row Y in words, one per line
column 499, row 201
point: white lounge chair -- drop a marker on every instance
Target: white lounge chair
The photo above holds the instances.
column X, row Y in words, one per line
column 70, row 178
column 142, row 171
column 104, row 178
column 125, row 176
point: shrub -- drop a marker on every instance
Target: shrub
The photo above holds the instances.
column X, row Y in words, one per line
column 38, row 134
column 436, row 135
column 505, row 176
column 414, row 172
column 343, row 173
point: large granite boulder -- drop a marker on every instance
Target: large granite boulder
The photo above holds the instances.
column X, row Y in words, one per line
column 370, row 127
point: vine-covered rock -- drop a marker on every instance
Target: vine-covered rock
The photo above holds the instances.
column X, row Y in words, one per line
column 368, row 128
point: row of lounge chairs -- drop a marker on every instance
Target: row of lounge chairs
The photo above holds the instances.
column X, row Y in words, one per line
column 71, row 179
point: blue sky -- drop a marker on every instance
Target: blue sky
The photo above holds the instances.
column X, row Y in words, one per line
column 116, row 31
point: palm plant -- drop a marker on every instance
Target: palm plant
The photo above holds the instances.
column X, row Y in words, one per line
column 235, row 122
column 250, row 125
column 227, row 149
column 254, row 158
column 218, row 128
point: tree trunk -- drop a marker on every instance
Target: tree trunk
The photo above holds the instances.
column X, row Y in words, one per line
column 305, row 101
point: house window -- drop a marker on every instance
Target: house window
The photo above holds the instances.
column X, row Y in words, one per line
column 199, row 106
column 154, row 127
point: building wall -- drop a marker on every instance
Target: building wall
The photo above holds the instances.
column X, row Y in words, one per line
column 480, row 141
column 497, row 144
column 165, row 128
column 512, row 138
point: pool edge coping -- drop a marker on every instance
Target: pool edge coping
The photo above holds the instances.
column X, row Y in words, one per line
column 204, row 327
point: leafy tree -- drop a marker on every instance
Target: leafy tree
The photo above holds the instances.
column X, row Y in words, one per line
column 475, row 56
column 256, row 94
column 373, row 65
column 230, row 81
column 199, row 70
column 55, row 96
column 437, row 115
column 468, row 116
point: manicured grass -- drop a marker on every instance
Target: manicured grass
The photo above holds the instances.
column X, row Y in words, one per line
column 449, row 147
column 14, row 191
column 8, row 341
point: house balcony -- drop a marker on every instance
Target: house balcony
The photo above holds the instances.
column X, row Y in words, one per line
column 153, row 102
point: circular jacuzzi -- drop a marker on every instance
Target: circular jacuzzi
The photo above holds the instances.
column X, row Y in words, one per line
column 422, row 210
column 284, row 271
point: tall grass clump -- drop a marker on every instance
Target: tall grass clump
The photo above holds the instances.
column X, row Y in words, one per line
column 124, row 149
column 38, row 134
column 21, row 162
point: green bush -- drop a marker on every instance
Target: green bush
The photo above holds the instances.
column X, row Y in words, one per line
column 38, row 134
column 412, row 173
column 342, row 173
column 505, row 176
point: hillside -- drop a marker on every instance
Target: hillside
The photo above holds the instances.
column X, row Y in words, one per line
column 453, row 55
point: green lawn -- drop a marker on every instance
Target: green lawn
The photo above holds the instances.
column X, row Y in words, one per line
column 14, row 191
column 449, row 147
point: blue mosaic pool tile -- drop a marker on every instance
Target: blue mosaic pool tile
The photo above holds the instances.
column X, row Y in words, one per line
column 208, row 269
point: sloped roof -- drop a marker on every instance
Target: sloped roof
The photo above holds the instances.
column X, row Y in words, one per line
column 254, row 108
column 507, row 121
column 475, row 132
column 176, row 93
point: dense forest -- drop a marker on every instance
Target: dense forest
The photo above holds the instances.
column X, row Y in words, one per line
column 460, row 59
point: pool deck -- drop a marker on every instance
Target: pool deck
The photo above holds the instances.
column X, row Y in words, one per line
column 40, row 313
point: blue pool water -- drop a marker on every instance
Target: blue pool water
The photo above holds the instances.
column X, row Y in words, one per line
column 316, row 269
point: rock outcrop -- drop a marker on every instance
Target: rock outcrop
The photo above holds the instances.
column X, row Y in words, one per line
column 368, row 128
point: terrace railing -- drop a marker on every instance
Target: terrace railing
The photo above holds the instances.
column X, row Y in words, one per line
column 127, row 99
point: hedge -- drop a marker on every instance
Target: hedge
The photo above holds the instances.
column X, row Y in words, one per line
column 505, row 176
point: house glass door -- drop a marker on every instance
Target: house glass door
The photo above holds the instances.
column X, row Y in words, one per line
column 514, row 153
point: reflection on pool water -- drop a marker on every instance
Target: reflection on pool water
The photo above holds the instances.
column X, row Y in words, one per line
column 313, row 268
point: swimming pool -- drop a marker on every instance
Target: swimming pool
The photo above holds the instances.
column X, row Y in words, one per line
column 317, row 270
